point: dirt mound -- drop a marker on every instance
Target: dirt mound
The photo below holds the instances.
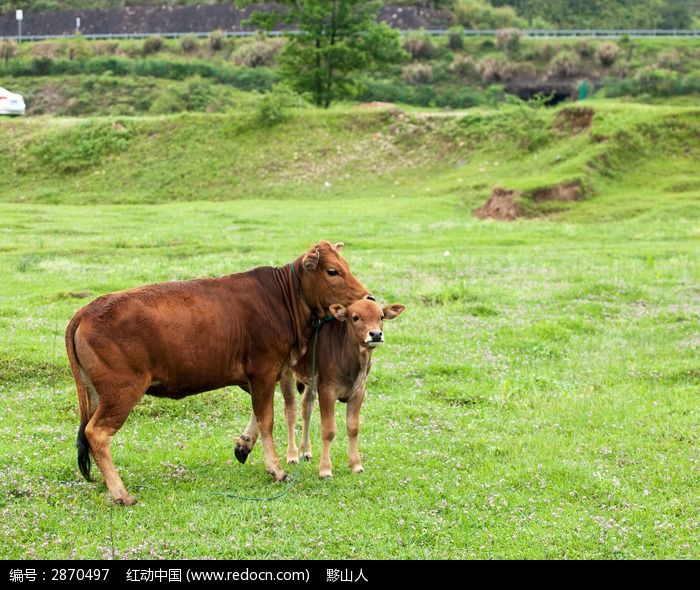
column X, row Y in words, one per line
column 500, row 205
column 503, row 203
column 574, row 120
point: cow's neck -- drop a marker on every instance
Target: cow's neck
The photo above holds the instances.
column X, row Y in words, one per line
column 300, row 313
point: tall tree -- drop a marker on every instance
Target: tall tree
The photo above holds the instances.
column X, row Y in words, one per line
column 336, row 39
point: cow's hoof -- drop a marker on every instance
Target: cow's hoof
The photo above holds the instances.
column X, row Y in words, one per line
column 125, row 501
column 292, row 460
column 325, row 474
column 306, row 456
column 357, row 469
column 241, row 453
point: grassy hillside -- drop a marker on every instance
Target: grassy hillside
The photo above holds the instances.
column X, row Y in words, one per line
column 537, row 399
column 631, row 159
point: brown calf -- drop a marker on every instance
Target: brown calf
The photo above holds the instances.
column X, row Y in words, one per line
column 185, row 337
column 344, row 358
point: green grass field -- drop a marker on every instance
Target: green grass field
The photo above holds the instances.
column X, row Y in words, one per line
column 538, row 398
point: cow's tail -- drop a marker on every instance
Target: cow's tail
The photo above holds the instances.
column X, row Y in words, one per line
column 83, row 400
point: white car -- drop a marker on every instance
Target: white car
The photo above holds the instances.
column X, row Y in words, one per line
column 11, row 103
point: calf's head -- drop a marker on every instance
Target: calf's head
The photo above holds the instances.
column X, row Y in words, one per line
column 365, row 320
column 326, row 278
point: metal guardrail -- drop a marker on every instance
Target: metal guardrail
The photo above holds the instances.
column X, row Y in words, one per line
column 562, row 33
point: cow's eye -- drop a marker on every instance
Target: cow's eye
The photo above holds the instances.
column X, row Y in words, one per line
column 355, row 318
column 332, row 272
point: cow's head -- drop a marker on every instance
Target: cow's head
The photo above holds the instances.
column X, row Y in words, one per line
column 365, row 320
column 326, row 278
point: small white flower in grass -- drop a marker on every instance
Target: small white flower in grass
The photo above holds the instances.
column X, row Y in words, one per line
column 446, row 253
column 327, row 184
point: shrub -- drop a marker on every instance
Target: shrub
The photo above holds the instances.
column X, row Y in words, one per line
column 491, row 69
column 419, row 45
column 564, row 65
column 105, row 47
column 7, row 50
column 417, row 73
column 669, row 59
column 463, row 66
column 166, row 103
column 508, row 40
column 258, row 53
column 47, row 49
column 272, row 108
column 189, row 44
column 152, row 45
column 216, row 40
column 607, row 54
column 455, row 38
column 478, row 14
column 584, row 49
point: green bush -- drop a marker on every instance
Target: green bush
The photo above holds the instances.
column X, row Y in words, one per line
column 152, row 45
column 419, row 45
column 564, row 65
column 492, row 69
column 455, row 38
column 258, row 53
column 463, row 66
column 508, row 40
column 607, row 54
column 189, row 44
column 417, row 73
column 272, row 108
column 216, row 40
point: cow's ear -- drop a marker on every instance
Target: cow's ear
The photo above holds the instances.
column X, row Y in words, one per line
column 311, row 258
column 392, row 311
column 338, row 312
column 339, row 246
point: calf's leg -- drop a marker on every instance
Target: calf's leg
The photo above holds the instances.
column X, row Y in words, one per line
column 306, row 420
column 353, row 425
column 326, row 403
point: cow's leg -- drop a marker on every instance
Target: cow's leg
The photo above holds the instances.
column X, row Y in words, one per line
column 115, row 405
column 353, row 424
column 246, row 442
column 288, row 387
column 326, row 403
column 263, row 391
column 306, row 421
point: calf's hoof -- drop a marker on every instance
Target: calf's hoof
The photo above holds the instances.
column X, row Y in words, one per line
column 325, row 474
column 307, row 456
column 125, row 501
column 278, row 476
column 356, row 469
column 292, row 460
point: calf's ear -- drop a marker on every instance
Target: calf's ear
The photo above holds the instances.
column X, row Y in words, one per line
column 392, row 311
column 339, row 246
column 338, row 312
column 311, row 258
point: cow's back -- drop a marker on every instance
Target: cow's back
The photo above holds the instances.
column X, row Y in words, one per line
column 188, row 336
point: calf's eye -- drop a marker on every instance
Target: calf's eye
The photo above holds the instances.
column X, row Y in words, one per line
column 332, row 272
column 355, row 318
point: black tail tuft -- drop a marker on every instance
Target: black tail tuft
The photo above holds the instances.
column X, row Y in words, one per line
column 83, row 453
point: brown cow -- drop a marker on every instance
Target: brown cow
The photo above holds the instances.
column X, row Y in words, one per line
column 344, row 358
column 180, row 338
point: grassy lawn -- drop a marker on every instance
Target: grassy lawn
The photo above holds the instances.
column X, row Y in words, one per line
column 538, row 398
